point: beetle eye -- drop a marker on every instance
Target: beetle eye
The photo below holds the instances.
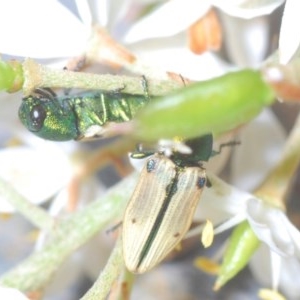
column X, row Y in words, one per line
column 37, row 117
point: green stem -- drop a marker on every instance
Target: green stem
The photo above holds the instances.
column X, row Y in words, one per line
column 276, row 185
column 37, row 75
column 37, row 270
column 108, row 276
column 11, row 75
column 33, row 213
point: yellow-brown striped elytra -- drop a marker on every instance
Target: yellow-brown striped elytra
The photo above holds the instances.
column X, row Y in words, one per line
column 163, row 203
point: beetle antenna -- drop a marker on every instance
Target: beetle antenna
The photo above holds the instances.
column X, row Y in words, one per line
column 229, row 144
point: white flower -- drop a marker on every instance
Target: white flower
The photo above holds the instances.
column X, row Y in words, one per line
column 246, row 41
column 278, row 271
column 36, row 168
column 248, row 9
column 52, row 16
column 37, row 174
column 170, row 21
column 175, row 16
column 271, row 226
column 166, row 26
column 248, row 167
column 288, row 42
column 167, row 20
column 225, row 204
column 37, row 22
column 10, row 293
column 222, row 203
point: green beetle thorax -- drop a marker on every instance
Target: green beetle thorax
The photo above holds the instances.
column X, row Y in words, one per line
column 46, row 119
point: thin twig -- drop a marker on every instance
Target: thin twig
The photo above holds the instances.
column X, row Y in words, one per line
column 36, row 271
column 37, row 75
column 277, row 184
column 108, row 276
column 33, row 213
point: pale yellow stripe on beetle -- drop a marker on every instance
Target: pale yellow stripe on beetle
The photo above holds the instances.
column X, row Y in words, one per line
column 143, row 208
column 142, row 253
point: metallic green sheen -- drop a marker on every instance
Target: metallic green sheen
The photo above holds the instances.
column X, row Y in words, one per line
column 217, row 105
column 202, row 148
column 67, row 118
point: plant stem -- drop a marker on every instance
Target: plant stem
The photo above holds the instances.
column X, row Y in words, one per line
column 276, row 185
column 34, row 273
column 37, row 75
column 112, row 270
column 33, row 213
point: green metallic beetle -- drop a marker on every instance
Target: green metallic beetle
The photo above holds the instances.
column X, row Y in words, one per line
column 217, row 105
column 78, row 117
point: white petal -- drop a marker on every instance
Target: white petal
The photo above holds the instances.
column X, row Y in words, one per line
column 261, row 146
column 9, row 104
column 261, row 260
column 160, row 55
column 289, row 40
column 170, row 18
column 85, row 10
column 247, row 41
column 11, row 294
column 94, row 11
column 270, row 226
column 40, row 29
column 221, row 201
column 263, row 269
column 295, row 235
column 232, row 222
column 37, row 175
column 248, row 9
column 289, row 282
column 276, row 262
column 117, row 15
